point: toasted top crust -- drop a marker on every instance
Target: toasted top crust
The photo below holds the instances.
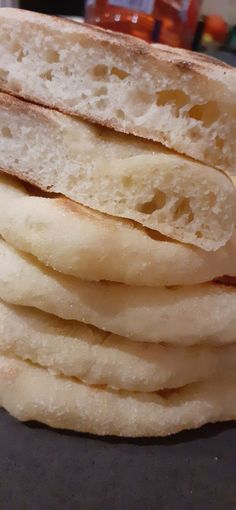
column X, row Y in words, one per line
column 178, row 98
column 90, row 165
column 184, row 60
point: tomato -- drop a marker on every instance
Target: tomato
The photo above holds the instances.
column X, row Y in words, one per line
column 216, row 27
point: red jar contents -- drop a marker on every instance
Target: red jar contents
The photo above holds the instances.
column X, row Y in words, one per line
column 172, row 22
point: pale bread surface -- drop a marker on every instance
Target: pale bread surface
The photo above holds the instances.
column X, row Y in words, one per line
column 183, row 315
column 117, row 174
column 99, row 358
column 101, row 247
column 182, row 99
column 28, row 392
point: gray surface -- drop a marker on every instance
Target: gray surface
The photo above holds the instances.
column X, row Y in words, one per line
column 42, row 469
column 227, row 57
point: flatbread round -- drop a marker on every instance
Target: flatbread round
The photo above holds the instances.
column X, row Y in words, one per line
column 32, row 393
column 183, row 315
column 102, row 247
column 95, row 357
column 117, row 175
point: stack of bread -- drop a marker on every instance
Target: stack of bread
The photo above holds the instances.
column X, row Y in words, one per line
column 117, row 224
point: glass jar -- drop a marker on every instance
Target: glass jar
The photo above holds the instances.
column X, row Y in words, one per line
column 171, row 22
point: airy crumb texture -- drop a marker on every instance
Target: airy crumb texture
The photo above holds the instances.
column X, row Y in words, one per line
column 117, row 174
column 32, row 393
column 102, row 247
column 182, row 99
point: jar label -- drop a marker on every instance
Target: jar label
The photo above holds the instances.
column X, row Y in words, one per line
column 134, row 5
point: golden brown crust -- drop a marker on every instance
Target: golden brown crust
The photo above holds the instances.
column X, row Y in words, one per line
column 30, row 181
column 183, row 59
column 208, row 73
column 22, row 105
column 110, row 123
column 229, row 281
column 25, row 103
column 47, row 113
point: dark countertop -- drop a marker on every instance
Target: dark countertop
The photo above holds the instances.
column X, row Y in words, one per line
column 227, row 57
column 43, row 469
